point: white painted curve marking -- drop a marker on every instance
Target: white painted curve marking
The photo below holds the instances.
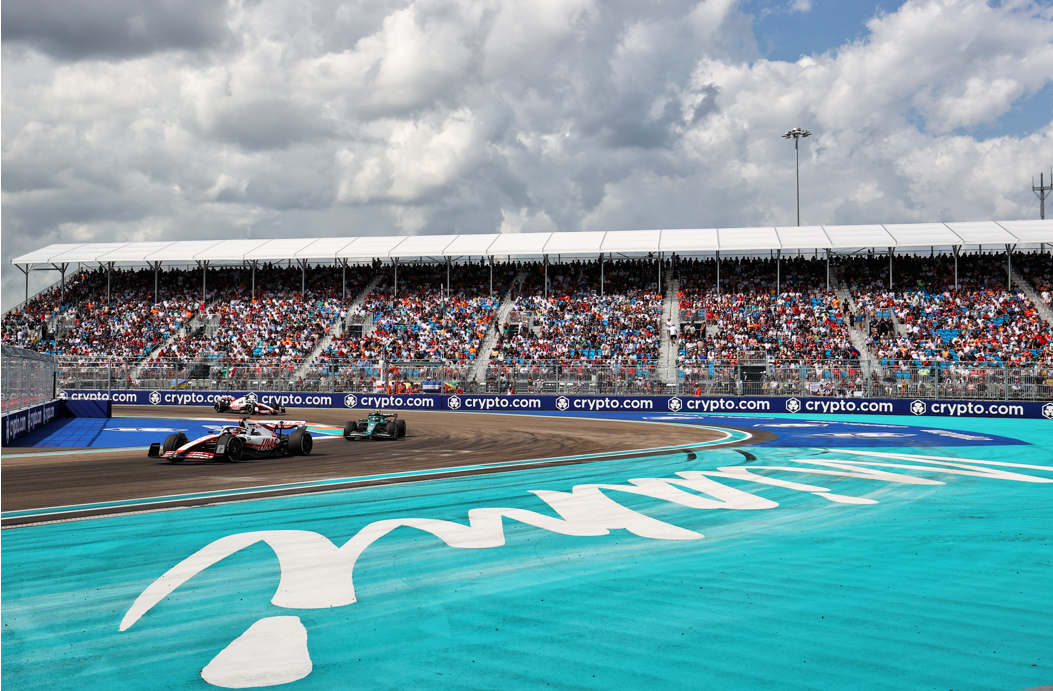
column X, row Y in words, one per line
column 273, row 651
column 316, row 574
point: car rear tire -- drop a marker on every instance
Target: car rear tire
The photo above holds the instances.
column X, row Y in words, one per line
column 401, row 426
column 218, row 406
column 300, row 443
column 392, row 429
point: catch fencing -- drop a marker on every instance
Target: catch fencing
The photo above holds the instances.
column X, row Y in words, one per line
column 748, row 377
column 29, row 378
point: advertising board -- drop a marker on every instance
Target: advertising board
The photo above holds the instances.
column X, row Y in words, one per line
column 570, row 404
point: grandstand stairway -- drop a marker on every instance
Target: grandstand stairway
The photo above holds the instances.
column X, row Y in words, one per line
column 868, row 360
column 482, row 361
column 667, row 368
column 337, row 328
column 196, row 322
column 1025, row 286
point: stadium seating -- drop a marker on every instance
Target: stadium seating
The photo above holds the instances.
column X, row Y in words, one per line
column 802, row 322
column 576, row 322
column 424, row 319
column 442, row 313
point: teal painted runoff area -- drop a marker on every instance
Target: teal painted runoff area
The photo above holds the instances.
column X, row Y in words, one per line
column 941, row 586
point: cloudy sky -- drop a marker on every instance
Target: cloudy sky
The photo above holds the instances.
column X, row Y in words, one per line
column 184, row 119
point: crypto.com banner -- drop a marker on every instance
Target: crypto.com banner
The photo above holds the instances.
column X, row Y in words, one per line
column 592, row 404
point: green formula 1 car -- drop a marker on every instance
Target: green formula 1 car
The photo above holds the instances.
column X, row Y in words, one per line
column 377, row 425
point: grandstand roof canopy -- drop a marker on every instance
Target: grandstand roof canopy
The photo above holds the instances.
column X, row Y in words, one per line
column 626, row 242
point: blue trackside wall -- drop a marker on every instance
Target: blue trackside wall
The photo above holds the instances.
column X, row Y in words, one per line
column 93, row 407
column 571, row 403
column 20, row 423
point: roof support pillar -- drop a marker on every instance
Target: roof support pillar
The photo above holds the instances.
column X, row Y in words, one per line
column 343, row 280
column 546, row 277
column 718, row 273
column 956, row 249
column 491, row 276
column 659, row 262
column 395, row 261
column 156, row 267
column 447, row 278
column 204, row 280
column 828, row 269
column 61, row 268
column 778, row 272
column 109, row 275
column 601, row 274
column 26, row 270
column 303, row 277
column 891, row 251
column 1009, row 267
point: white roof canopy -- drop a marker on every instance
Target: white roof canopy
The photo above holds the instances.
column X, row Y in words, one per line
column 627, row 242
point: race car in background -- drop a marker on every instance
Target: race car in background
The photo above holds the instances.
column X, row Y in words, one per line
column 246, row 405
column 231, row 443
column 376, row 425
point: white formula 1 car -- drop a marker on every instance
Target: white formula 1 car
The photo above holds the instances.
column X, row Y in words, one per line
column 233, row 442
column 246, row 405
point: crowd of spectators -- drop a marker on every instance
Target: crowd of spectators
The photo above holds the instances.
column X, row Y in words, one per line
column 607, row 315
column 1037, row 269
column 125, row 328
column 580, row 319
column 278, row 327
column 749, row 319
column 436, row 312
column 929, row 322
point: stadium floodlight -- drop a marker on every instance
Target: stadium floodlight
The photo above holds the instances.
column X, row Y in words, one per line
column 796, row 134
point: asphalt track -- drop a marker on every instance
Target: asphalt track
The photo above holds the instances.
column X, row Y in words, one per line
column 34, row 479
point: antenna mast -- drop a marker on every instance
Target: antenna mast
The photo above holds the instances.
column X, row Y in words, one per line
column 1041, row 191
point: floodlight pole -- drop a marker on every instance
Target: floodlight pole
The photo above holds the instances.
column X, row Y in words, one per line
column 796, row 134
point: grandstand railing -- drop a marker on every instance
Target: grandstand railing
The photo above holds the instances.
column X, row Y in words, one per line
column 28, row 378
column 838, row 378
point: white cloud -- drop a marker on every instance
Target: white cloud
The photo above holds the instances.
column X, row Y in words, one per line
column 459, row 116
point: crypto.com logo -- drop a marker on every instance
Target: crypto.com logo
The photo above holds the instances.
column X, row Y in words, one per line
column 155, row 397
column 454, row 402
column 1047, row 411
column 793, row 405
column 350, row 401
column 918, row 407
column 675, row 405
column 562, row 403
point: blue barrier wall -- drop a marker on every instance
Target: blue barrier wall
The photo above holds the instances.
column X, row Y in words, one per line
column 89, row 408
column 571, row 403
column 20, row 423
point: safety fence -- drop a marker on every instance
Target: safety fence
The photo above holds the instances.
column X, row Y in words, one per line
column 745, row 377
column 29, row 378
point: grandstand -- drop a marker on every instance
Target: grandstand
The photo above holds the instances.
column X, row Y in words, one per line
column 734, row 311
